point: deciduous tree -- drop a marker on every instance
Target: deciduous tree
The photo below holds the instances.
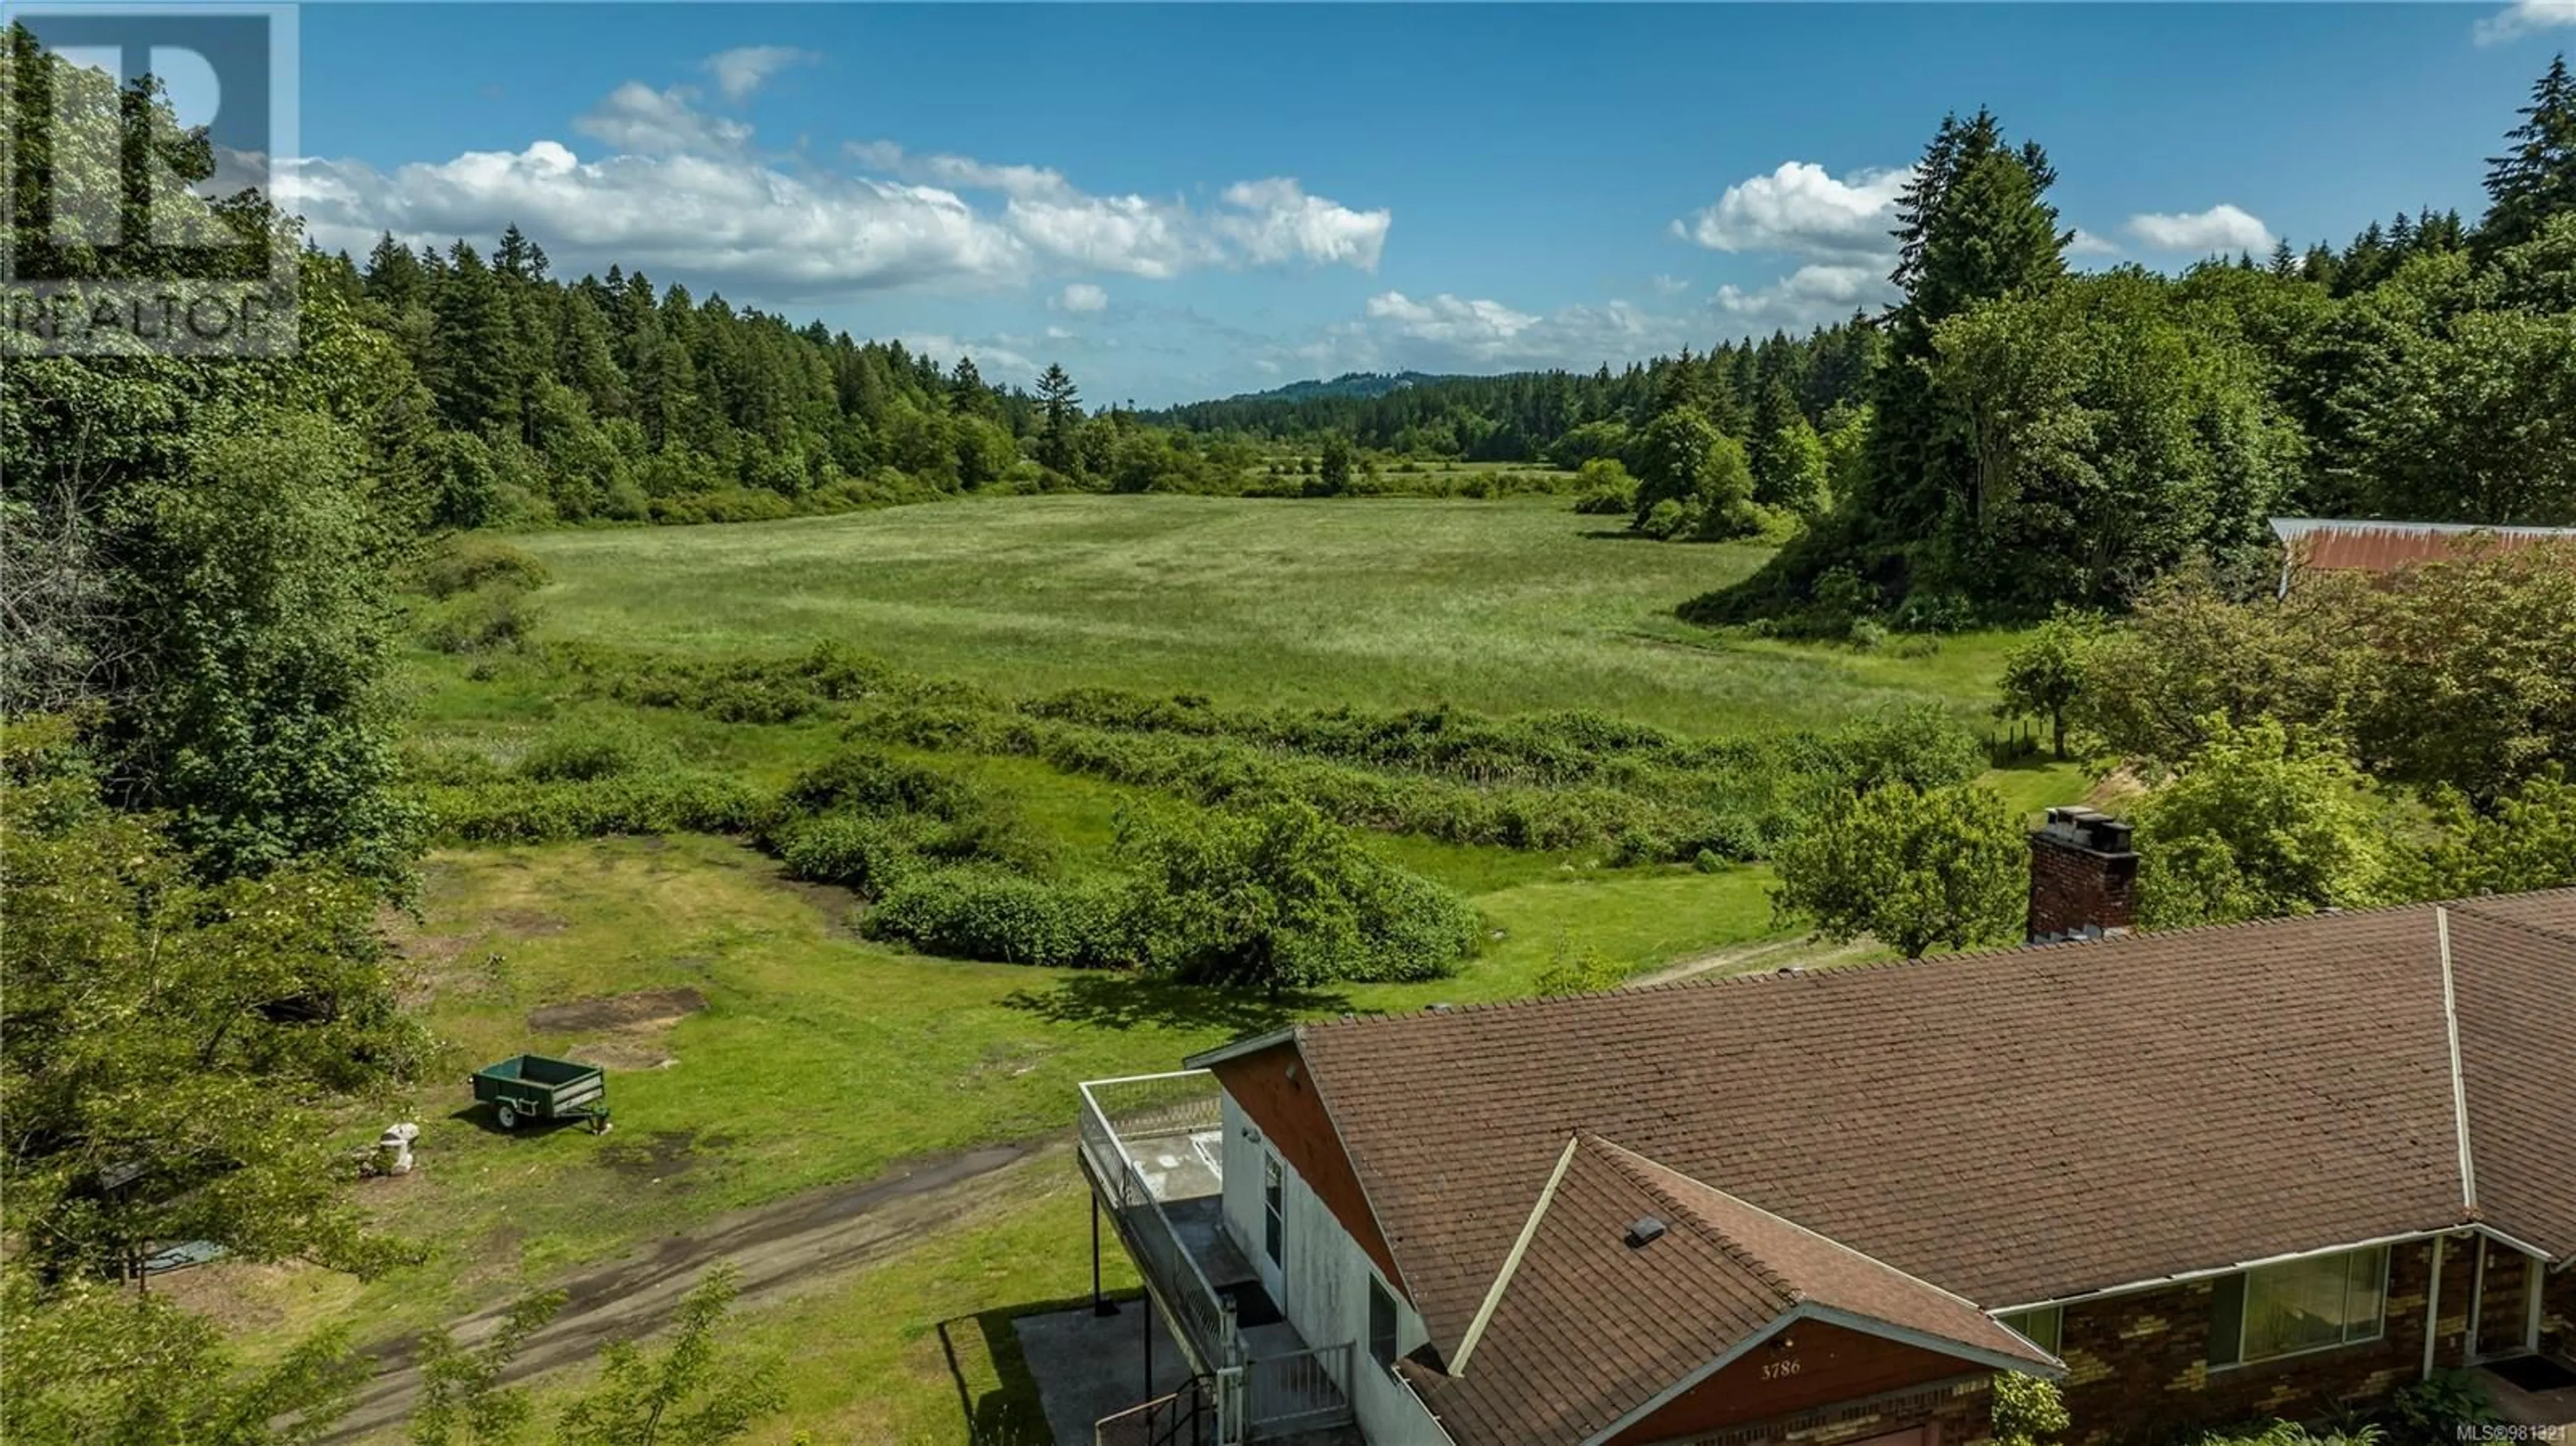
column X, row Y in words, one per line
column 1915, row 868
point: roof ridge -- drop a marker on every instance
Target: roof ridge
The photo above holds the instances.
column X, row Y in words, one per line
column 1735, row 1250
column 2459, row 1084
column 2001, row 951
column 1512, row 1261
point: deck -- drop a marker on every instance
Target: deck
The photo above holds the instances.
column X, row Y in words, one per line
column 1152, row 1148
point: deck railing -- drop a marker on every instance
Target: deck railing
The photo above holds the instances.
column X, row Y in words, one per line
column 1157, row 1104
column 1299, row 1392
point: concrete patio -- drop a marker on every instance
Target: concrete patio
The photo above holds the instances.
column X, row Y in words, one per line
column 1089, row 1366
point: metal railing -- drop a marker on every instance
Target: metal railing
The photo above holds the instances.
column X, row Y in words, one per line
column 1184, row 1418
column 1298, row 1392
column 1205, row 1319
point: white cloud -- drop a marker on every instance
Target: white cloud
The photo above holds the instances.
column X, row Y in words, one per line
column 676, row 188
column 1484, row 327
column 636, row 117
column 962, row 173
column 718, row 218
column 992, row 360
column 1081, row 296
column 746, row 68
column 2085, row 243
column 1669, row 285
column 1129, row 234
column 2524, row 17
column 1808, row 297
column 2220, row 228
column 1275, row 220
column 1261, row 223
column 1445, row 332
column 1803, row 210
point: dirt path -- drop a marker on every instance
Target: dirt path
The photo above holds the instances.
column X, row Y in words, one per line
column 780, row 1248
column 1753, row 958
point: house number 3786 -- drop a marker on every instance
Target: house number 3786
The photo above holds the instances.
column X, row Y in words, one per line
column 1779, row 1370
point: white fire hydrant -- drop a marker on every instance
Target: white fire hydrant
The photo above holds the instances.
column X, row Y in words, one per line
column 394, row 1145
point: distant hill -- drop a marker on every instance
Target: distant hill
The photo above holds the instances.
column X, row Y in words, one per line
column 1362, row 385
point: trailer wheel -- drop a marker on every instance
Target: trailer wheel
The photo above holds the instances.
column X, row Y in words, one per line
column 505, row 1116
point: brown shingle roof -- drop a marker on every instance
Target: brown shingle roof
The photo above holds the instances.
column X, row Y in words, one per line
column 2015, row 1127
column 1588, row 1327
column 2515, row 983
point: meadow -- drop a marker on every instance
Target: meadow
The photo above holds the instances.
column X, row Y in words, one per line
column 786, row 1052
column 1502, row 607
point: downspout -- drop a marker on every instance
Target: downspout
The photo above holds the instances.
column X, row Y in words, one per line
column 2433, row 1306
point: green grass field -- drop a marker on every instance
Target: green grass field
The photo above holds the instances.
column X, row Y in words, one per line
column 819, row 1057
column 1500, row 607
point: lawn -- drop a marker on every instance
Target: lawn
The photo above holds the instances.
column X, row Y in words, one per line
column 1502, row 607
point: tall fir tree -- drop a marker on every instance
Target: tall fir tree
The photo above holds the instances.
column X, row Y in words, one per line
column 1973, row 225
column 1063, row 415
column 2535, row 178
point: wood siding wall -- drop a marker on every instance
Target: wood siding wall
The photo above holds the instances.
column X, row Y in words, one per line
column 1282, row 1104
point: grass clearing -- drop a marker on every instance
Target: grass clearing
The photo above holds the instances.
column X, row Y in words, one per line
column 1503, row 607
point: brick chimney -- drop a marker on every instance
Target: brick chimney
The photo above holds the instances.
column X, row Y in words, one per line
column 2083, row 876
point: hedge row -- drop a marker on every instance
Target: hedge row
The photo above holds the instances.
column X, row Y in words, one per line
column 519, row 811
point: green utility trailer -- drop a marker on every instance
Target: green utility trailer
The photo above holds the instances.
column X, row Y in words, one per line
column 533, row 1087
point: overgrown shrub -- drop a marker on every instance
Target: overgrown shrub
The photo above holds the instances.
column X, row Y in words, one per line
column 521, row 811
column 868, row 821
column 752, row 690
column 1282, row 899
column 870, row 855
column 1607, row 489
column 586, row 748
column 983, row 912
column 2448, row 1405
column 492, row 617
column 466, row 562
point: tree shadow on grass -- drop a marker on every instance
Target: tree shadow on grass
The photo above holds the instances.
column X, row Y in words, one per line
column 1123, row 1001
column 996, row 1391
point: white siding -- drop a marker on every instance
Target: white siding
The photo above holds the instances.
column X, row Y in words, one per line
column 1325, row 1277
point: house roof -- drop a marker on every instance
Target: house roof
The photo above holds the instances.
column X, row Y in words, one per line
column 1587, row 1324
column 2373, row 545
column 2015, row 1127
column 2517, row 1012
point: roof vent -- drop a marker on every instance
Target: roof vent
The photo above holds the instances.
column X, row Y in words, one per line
column 1645, row 1232
column 1437, row 1008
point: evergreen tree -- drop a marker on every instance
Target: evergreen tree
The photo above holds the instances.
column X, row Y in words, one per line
column 1063, row 410
column 2535, row 178
column 519, row 258
column 967, row 394
column 474, row 352
column 1972, row 226
column 393, row 274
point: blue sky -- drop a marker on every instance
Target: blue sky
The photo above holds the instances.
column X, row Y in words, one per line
column 1185, row 201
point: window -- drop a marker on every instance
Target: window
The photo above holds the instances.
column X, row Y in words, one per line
column 2046, row 1327
column 1270, row 1229
column 2301, row 1305
column 1381, row 1325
